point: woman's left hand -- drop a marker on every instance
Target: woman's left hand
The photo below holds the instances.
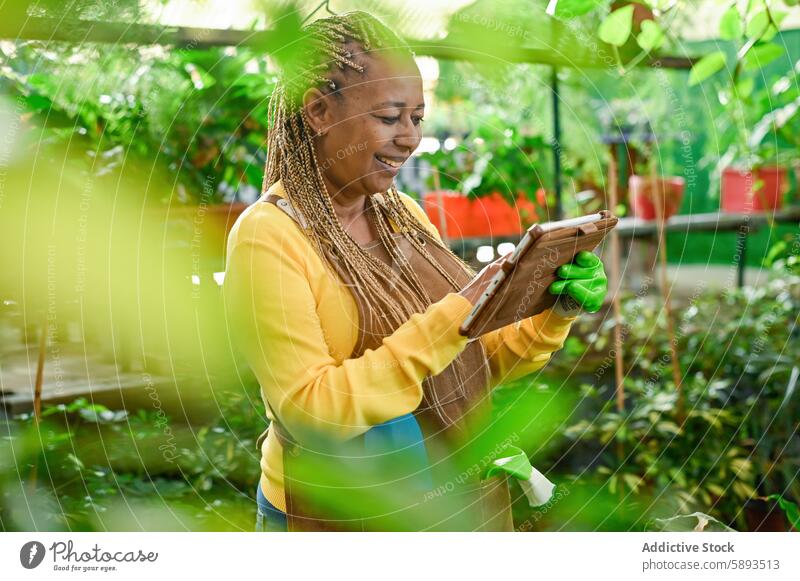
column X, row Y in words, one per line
column 584, row 280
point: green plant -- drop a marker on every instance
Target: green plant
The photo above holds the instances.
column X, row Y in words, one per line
column 784, row 255
column 738, row 351
column 683, row 464
column 207, row 131
column 99, row 469
column 493, row 116
column 758, row 125
column 484, row 163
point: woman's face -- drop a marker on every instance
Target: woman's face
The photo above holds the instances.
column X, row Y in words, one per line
column 371, row 128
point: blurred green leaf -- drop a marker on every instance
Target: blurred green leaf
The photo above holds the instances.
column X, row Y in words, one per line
column 745, row 87
column 761, row 55
column 651, row 37
column 706, row 66
column 730, row 25
column 757, row 24
column 616, row 27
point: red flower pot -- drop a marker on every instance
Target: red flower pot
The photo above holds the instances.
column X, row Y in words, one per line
column 737, row 193
column 642, row 199
column 482, row 217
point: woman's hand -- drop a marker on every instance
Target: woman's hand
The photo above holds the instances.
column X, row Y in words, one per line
column 584, row 281
column 477, row 285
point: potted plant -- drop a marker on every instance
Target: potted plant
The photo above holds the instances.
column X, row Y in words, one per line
column 629, row 132
column 487, row 186
column 652, row 196
column 645, row 192
column 768, row 146
column 755, row 125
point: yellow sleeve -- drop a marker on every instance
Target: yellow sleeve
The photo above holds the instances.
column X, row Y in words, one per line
column 525, row 346
column 272, row 312
column 522, row 347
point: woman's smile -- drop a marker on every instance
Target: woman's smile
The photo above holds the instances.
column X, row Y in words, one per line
column 390, row 164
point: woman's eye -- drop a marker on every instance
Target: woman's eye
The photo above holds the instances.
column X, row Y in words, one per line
column 393, row 120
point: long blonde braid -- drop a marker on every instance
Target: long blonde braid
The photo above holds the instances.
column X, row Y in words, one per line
column 292, row 159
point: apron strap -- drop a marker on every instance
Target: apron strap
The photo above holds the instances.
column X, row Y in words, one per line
column 284, row 205
column 283, row 435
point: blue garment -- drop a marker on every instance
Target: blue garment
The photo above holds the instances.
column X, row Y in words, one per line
column 399, row 443
column 401, row 446
column 269, row 518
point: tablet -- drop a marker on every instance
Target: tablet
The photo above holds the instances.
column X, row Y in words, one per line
column 520, row 288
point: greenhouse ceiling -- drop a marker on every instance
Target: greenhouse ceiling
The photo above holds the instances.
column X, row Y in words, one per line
column 475, row 31
column 423, row 19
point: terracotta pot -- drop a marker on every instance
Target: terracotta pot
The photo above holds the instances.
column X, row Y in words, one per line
column 482, row 217
column 641, row 195
column 765, row 516
column 737, row 193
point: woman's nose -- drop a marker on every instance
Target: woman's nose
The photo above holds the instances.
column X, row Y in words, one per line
column 407, row 138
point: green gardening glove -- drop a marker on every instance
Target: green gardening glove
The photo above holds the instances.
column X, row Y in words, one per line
column 535, row 485
column 584, row 281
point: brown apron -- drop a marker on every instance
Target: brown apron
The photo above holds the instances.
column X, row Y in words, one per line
column 458, row 499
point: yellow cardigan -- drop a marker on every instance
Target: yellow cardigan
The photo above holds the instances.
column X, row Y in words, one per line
column 297, row 326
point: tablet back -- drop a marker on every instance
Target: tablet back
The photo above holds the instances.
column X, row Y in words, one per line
column 524, row 292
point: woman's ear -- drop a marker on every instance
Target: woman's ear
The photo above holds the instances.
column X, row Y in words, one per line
column 318, row 111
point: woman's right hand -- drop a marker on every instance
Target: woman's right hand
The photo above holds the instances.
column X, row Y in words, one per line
column 476, row 287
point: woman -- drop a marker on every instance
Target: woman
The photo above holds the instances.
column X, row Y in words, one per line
column 347, row 304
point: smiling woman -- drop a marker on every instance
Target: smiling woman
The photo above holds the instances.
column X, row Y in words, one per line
column 373, row 101
column 346, row 304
